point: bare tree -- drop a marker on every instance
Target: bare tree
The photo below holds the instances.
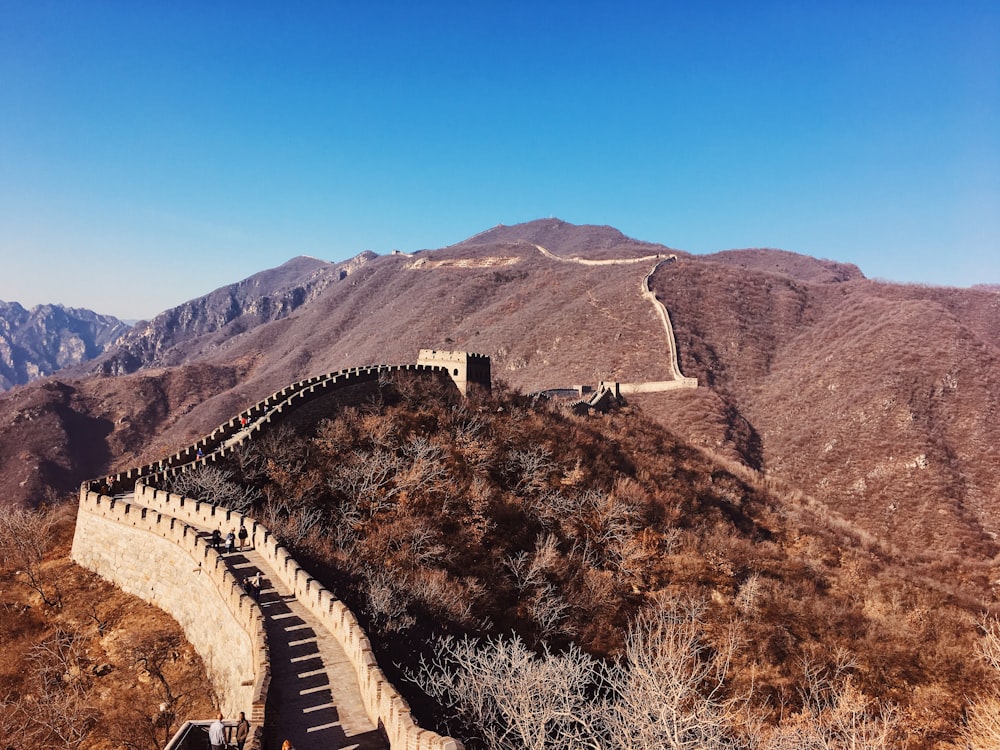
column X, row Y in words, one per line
column 982, row 730
column 517, row 700
column 367, row 480
column 667, row 691
column 835, row 714
column 529, row 469
column 426, row 471
column 214, row 485
column 25, row 537
column 151, row 653
column 57, row 711
column 669, row 688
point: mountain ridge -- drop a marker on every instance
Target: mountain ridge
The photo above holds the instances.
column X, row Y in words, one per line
column 798, row 361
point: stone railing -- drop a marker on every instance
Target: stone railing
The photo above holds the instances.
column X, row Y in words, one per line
column 162, row 560
column 383, row 703
column 262, row 415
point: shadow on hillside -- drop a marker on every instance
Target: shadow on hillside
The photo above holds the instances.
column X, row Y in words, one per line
column 86, row 448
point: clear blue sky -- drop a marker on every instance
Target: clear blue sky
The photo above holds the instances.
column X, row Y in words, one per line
column 151, row 152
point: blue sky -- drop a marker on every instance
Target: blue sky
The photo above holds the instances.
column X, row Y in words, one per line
column 152, row 152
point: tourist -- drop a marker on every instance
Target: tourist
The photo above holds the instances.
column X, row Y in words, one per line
column 242, row 731
column 217, row 734
column 255, row 582
column 243, row 535
column 216, row 539
column 230, row 540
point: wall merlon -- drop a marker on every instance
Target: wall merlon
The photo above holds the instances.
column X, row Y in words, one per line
column 227, row 658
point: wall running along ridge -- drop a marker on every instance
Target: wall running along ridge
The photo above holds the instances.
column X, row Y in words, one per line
column 148, row 549
column 163, row 561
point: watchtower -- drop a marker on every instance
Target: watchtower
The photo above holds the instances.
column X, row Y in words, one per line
column 465, row 368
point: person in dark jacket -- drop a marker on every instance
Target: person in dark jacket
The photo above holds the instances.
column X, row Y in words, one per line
column 242, row 731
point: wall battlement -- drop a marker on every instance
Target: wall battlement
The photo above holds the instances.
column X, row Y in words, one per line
column 133, row 546
column 465, row 368
column 178, row 571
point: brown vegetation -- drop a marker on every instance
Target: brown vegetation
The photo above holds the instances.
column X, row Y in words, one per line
column 83, row 665
column 434, row 516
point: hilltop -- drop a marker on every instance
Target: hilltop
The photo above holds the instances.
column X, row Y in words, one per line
column 875, row 399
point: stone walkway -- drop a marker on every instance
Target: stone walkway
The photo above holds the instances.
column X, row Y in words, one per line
column 313, row 699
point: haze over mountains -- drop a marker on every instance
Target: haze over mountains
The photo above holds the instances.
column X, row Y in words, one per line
column 877, row 401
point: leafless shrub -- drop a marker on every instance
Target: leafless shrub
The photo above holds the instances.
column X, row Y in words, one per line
column 367, row 480
column 386, row 603
column 749, row 594
column 426, row 472
column 549, row 610
column 669, row 688
column 214, row 485
column 57, row 712
column 444, row 595
column 529, row 569
column 426, row 546
column 60, row 661
column 836, row 714
column 25, row 537
column 514, row 698
column 301, row 522
column 982, row 729
column 666, row 691
column 529, row 469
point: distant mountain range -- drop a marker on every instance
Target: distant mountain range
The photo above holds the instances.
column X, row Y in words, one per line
column 876, row 402
column 47, row 338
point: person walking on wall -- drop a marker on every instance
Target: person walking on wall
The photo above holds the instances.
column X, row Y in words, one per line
column 217, row 734
column 242, row 731
column 216, row 539
column 242, row 535
column 230, row 540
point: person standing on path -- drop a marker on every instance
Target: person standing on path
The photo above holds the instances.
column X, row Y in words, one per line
column 242, row 535
column 242, row 731
column 217, row 734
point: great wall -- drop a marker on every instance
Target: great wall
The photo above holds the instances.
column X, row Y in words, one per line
column 326, row 688
column 294, row 658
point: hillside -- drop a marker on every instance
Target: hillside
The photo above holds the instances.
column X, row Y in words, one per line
column 851, row 424
column 878, row 400
column 433, row 516
column 865, row 395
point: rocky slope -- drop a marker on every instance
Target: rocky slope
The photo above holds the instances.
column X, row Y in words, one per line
column 38, row 342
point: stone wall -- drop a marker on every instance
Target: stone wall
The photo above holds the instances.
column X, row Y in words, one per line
column 160, row 559
column 383, row 703
column 661, row 310
column 473, row 368
column 149, row 549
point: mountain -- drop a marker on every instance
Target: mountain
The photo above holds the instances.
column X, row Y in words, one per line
column 38, row 342
column 875, row 403
column 184, row 332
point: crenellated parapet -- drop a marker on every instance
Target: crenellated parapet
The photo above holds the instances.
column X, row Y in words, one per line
column 383, row 704
column 462, row 367
column 150, row 545
column 164, row 561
